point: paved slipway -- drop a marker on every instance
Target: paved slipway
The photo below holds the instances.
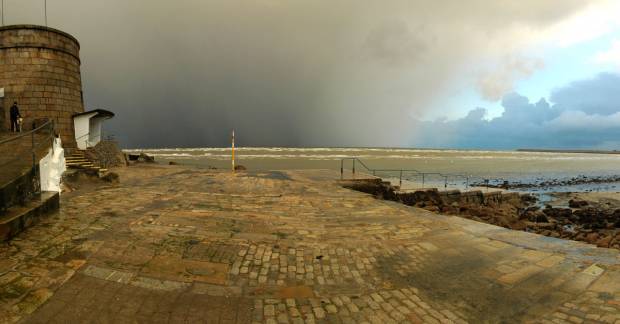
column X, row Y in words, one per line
column 172, row 244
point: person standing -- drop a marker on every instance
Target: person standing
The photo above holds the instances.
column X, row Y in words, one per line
column 15, row 116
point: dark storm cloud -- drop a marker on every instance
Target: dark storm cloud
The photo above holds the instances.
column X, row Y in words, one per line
column 598, row 96
column 585, row 114
column 281, row 73
column 396, row 43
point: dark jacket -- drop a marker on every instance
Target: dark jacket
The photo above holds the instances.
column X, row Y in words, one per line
column 15, row 112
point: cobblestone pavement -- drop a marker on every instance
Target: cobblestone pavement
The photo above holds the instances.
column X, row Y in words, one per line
column 172, row 244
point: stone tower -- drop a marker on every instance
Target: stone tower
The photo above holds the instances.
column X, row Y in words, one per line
column 40, row 69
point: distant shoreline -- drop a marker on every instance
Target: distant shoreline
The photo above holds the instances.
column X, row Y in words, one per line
column 568, row 151
column 301, row 148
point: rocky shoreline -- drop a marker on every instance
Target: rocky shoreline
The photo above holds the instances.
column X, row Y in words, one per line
column 542, row 183
column 582, row 220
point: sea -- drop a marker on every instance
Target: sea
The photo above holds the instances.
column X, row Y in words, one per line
column 421, row 168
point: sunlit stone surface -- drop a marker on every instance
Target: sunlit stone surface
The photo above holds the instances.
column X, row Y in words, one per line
column 182, row 245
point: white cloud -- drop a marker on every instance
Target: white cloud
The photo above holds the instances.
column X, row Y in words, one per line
column 495, row 84
column 576, row 120
column 599, row 19
column 595, row 19
column 610, row 56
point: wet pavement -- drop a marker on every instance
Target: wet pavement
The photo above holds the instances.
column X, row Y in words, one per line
column 173, row 244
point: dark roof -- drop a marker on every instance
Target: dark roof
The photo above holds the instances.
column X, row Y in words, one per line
column 101, row 113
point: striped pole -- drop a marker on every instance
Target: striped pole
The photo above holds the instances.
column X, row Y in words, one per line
column 233, row 151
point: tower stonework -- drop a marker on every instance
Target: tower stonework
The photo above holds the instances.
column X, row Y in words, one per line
column 40, row 70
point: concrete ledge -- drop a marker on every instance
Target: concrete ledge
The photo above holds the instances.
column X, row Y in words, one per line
column 17, row 191
column 19, row 218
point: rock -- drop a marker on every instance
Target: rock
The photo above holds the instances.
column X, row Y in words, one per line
column 106, row 154
column 541, row 218
column 588, row 223
column 433, row 209
column 587, row 215
column 518, row 226
column 580, row 237
column 64, row 187
column 428, row 197
column 503, row 223
column 570, row 228
column 557, row 212
column 73, row 176
column 240, row 168
column 145, row 158
column 528, row 199
column 110, row 177
column 573, row 203
column 450, row 210
column 547, row 226
column 591, row 238
column 538, row 217
column 376, row 188
column 604, row 242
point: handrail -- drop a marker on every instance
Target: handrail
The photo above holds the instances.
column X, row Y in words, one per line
column 24, row 134
column 446, row 176
column 87, row 136
column 18, row 158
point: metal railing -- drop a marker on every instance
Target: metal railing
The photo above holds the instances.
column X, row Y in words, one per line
column 103, row 136
column 407, row 174
column 25, row 149
column 86, row 141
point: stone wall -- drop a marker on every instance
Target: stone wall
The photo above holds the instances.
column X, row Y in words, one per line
column 19, row 190
column 434, row 197
column 3, row 123
column 40, row 69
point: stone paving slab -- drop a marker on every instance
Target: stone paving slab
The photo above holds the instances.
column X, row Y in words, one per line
column 173, row 244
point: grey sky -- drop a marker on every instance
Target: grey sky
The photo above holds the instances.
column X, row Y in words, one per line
column 285, row 73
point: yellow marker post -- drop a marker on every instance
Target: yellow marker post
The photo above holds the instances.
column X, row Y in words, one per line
column 233, row 151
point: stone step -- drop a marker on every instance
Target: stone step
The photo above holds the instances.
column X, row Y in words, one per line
column 18, row 218
column 81, row 166
column 77, row 162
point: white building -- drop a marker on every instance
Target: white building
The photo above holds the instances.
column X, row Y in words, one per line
column 88, row 127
